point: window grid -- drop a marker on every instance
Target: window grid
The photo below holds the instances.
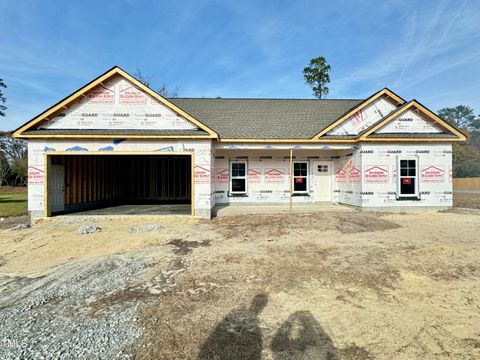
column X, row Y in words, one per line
column 408, row 181
column 300, row 177
column 238, row 177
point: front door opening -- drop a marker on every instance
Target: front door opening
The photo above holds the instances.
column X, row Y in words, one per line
column 140, row 184
column 323, row 180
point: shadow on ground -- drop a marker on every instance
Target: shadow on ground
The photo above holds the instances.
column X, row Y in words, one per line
column 239, row 336
column 302, row 337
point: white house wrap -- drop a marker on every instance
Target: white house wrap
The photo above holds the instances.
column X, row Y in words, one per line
column 116, row 142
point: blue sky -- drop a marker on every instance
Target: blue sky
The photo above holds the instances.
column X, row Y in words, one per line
column 428, row 50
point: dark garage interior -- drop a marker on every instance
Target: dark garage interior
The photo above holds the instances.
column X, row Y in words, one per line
column 134, row 183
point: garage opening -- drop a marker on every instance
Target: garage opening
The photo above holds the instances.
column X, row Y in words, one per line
column 119, row 184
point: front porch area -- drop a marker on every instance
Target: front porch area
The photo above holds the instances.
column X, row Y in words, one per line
column 258, row 174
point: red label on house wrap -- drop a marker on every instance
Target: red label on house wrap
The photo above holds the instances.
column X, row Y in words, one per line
column 354, row 174
column 406, row 181
column 36, row 175
column 223, row 176
column 340, row 175
column 131, row 95
column 431, row 173
column 274, row 175
column 202, row 174
column 376, row 173
column 254, row 175
column 102, row 95
column 299, row 180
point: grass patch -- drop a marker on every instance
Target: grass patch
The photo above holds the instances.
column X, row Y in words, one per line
column 13, row 203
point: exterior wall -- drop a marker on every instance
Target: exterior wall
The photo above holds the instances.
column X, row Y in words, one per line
column 347, row 184
column 268, row 174
column 353, row 182
column 379, row 187
column 202, row 150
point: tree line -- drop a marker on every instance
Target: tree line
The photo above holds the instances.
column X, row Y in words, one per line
column 13, row 152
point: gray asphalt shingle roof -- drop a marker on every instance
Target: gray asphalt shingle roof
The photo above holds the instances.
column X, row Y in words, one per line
column 266, row 118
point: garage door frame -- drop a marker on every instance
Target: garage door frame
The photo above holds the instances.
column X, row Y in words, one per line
column 48, row 162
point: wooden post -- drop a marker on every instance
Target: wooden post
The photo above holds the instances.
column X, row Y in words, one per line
column 46, row 195
column 291, row 177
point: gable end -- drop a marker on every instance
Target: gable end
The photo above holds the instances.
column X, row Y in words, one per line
column 412, row 121
column 100, row 92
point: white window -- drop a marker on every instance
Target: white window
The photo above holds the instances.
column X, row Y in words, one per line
column 407, row 178
column 300, row 177
column 238, row 177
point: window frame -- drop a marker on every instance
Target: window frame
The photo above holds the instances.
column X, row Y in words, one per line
column 400, row 177
column 306, row 177
column 245, row 177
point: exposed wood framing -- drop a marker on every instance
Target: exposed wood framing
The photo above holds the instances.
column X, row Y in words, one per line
column 88, row 177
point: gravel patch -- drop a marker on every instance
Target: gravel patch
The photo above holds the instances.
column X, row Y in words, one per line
column 20, row 227
column 88, row 229
column 77, row 219
column 146, row 228
column 51, row 317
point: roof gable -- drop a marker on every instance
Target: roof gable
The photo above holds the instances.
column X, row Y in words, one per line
column 365, row 117
column 412, row 120
column 355, row 114
column 117, row 104
column 115, row 100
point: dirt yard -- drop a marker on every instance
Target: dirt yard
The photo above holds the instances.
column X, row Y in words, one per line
column 334, row 285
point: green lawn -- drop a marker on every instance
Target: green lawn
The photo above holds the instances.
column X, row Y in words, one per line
column 13, row 204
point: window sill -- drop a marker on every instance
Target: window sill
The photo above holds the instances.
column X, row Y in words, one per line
column 300, row 194
column 415, row 198
column 237, row 194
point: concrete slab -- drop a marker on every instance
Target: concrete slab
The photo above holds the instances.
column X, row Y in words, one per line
column 164, row 209
column 238, row 209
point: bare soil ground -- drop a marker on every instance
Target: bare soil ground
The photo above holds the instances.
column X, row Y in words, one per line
column 338, row 285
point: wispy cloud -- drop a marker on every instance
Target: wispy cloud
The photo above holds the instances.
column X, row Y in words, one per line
column 444, row 35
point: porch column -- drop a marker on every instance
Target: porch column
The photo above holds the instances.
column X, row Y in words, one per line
column 291, row 178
